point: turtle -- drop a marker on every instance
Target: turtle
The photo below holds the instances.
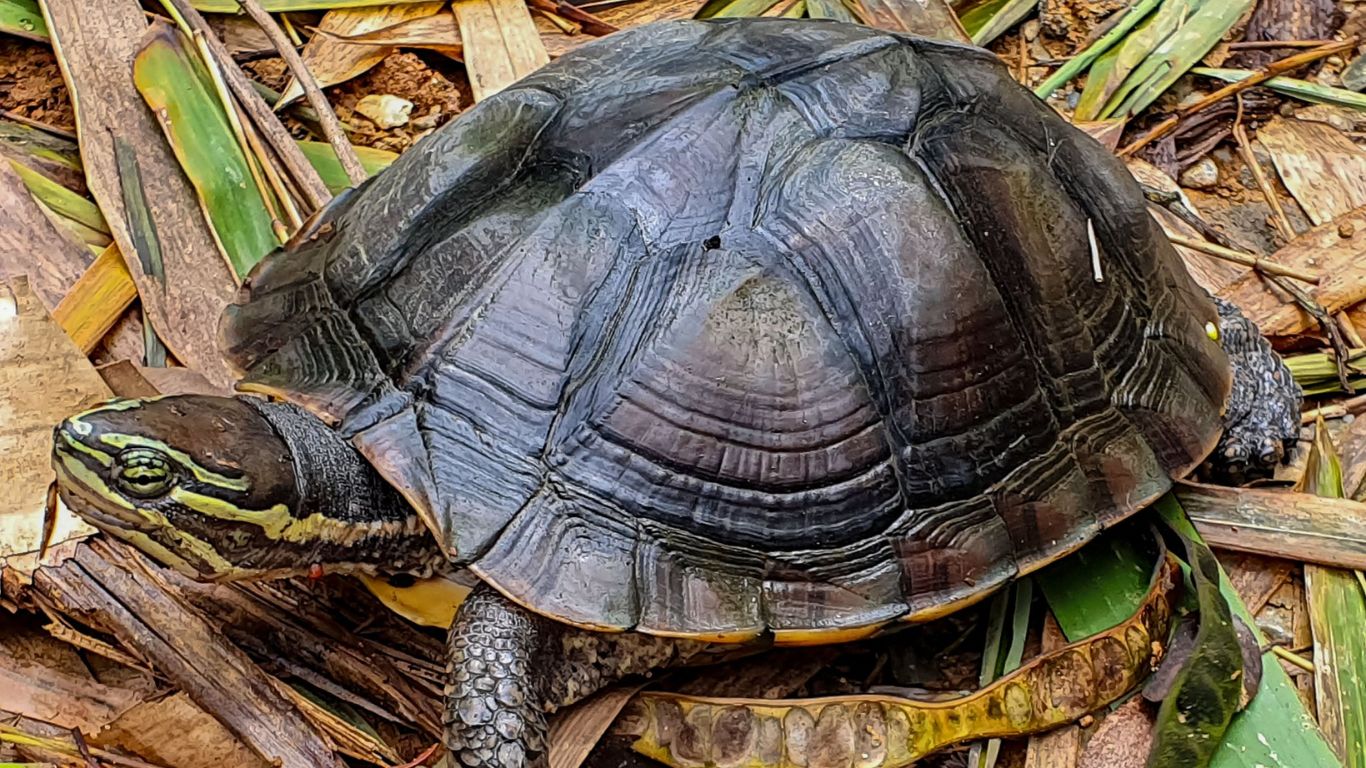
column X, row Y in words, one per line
column 706, row 334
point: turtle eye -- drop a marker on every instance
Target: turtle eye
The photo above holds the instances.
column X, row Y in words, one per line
column 144, row 473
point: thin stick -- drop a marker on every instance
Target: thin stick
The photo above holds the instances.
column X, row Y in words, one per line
column 44, row 127
column 1293, row 658
column 1266, row 73
column 1246, row 259
column 1353, row 405
column 331, row 128
column 1245, row 149
column 1253, row 45
column 312, row 190
column 1095, row 252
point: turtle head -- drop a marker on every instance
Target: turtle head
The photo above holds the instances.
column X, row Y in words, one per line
column 225, row 488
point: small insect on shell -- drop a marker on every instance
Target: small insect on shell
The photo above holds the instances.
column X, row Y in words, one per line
column 1212, row 331
column 315, row 571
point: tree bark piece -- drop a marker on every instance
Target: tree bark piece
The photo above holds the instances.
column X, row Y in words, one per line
column 1297, row 526
column 117, row 592
column 96, row 45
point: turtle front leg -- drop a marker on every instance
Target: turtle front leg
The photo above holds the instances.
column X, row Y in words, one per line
column 1262, row 421
column 509, row 667
column 495, row 700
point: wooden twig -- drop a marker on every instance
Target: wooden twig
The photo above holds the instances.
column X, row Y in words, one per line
column 331, row 127
column 44, row 127
column 1254, row 45
column 591, row 24
column 311, row 188
column 1351, row 406
column 1246, row 259
column 1266, row 73
column 1293, row 658
column 1245, row 149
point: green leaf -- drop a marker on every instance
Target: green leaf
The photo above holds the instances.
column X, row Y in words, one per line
column 1337, row 615
column 986, row 21
column 1197, row 711
column 325, row 162
column 146, row 241
column 23, row 19
column 60, row 199
column 722, row 9
column 1077, row 64
column 180, row 92
column 1195, row 34
column 1274, row 731
column 1300, row 89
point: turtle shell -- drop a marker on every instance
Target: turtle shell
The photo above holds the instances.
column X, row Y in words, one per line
column 713, row 329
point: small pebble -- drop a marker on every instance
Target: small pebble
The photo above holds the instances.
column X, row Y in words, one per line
column 1030, row 30
column 1204, row 174
column 1346, row 229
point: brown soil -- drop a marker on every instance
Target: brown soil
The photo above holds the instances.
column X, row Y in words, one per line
column 31, row 84
column 436, row 99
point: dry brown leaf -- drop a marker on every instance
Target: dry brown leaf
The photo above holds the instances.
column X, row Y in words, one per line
column 501, row 43
column 335, row 61
column 1255, row 577
column 43, row 379
column 174, row 732
column 1335, row 250
column 576, row 729
column 1122, row 740
column 1298, row 526
column 557, row 43
column 46, row 679
column 127, row 379
column 32, row 244
column 1322, row 168
column 437, row 32
column 96, row 45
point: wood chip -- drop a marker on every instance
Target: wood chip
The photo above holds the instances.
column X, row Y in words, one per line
column 98, row 299
column 96, row 45
column 501, row 43
column 46, row 679
column 577, row 729
column 1123, row 738
column 1322, row 168
column 43, row 379
column 335, row 61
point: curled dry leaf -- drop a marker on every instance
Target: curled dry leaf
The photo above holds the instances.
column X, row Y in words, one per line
column 385, row 109
column 333, row 59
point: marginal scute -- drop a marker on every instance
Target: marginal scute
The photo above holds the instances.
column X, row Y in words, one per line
column 792, row 330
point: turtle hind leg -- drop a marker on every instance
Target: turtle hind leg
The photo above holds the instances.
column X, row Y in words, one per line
column 509, row 667
column 1262, row 421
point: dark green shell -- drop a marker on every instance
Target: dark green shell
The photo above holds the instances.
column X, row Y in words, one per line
column 709, row 328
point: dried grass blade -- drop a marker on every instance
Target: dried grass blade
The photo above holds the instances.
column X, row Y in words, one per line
column 22, row 18
column 332, row 60
column 179, row 90
column 1002, row 16
column 501, row 43
column 437, row 32
column 1337, row 613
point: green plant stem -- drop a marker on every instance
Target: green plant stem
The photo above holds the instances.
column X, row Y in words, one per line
column 1083, row 60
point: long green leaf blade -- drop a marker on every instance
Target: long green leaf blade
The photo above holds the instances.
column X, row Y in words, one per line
column 1300, row 89
column 1337, row 617
column 23, row 19
column 325, row 162
column 176, row 86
